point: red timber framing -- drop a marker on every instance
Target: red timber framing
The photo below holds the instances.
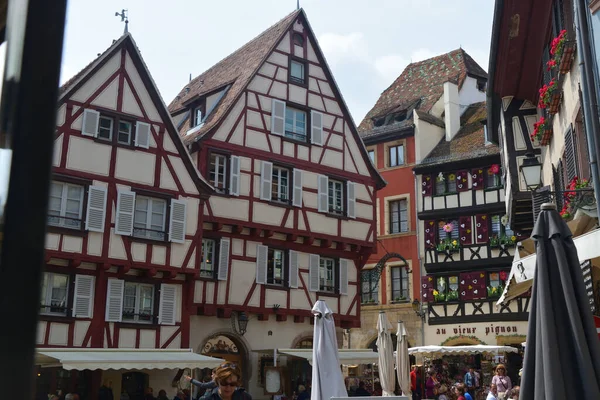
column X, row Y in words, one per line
column 293, row 231
column 157, row 264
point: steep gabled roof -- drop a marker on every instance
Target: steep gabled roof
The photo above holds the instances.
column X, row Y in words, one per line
column 236, row 69
column 127, row 41
column 469, row 142
column 423, row 81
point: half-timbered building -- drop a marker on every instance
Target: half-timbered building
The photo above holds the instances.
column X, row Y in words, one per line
column 293, row 217
column 467, row 245
column 538, row 115
column 399, row 132
column 124, row 228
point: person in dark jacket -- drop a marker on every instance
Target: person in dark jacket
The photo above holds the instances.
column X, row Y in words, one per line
column 105, row 392
column 361, row 391
column 229, row 379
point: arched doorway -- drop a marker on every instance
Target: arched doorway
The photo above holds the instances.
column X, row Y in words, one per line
column 228, row 348
column 300, row 371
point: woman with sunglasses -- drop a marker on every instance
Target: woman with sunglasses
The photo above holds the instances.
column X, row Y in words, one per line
column 502, row 381
column 229, row 379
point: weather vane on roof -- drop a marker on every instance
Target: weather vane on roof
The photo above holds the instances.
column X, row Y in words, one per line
column 124, row 18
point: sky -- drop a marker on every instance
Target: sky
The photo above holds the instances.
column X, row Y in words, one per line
column 367, row 44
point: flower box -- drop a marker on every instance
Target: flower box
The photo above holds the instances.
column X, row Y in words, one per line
column 555, row 98
column 448, row 245
column 567, row 57
column 542, row 132
column 546, row 137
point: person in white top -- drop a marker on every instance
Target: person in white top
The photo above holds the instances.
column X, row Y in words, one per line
column 493, row 393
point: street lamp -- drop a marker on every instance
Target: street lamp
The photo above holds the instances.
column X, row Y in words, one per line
column 239, row 322
column 416, row 305
column 531, row 169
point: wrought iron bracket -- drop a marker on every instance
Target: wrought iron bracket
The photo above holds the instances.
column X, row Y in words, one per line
column 374, row 274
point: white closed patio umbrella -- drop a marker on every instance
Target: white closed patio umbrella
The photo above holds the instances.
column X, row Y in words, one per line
column 385, row 348
column 403, row 360
column 327, row 379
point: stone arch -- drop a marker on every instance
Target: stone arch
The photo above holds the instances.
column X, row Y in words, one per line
column 230, row 347
column 300, row 338
column 462, row 341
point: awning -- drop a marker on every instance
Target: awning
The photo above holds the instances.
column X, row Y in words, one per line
column 93, row 359
column 453, row 350
column 523, row 269
column 347, row 356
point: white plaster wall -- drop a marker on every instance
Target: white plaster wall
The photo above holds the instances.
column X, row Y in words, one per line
column 469, row 94
column 95, row 81
column 427, row 136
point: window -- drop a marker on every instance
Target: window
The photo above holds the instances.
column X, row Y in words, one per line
column 369, row 294
column 297, row 72
column 138, row 302
column 275, row 267
column 443, row 225
column 398, row 216
column 399, row 283
column 493, row 180
column 327, row 275
column 298, row 39
column 445, row 183
column 149, row 218
column 372, row 156
column 280, row 185
column 336, row 197
column 207, row 268
column 218, row 172
column 66, row 205
column 396, row 155
column 295, row 124
column 499, row 229
column 54, row 294
column 106, row 127
column 197, row 116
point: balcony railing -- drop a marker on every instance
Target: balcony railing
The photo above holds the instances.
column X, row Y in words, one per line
column 484, row 310
column 492, row 252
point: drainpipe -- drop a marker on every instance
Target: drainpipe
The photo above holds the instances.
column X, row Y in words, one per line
column 421, row 267
column 588, row 93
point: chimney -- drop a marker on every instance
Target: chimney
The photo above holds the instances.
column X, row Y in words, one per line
column 451, row 110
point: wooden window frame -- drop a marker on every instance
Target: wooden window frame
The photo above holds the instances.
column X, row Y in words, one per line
column 344, row 183
column 373, row 149
column 292, row 79
column 386, row 152
column 389, row 209
column 116, row 118
column 389, row 155
column 336, row 277
column 306, row 111
column 216, row 249
column 157, row 195
column 285, row 284
column 227, row 156
column 447, row 220
column 502, row 227
column 498, row 176
column 370, row 293
column 402, row 288
column 195, row 106
column 446, row 178
column 86, row 183
column 216, row 237
column 69, row 301
column 290, row 171
column 155, row 302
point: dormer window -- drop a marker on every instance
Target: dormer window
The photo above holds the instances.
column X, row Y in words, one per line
column 197, row 116
column 298, row 39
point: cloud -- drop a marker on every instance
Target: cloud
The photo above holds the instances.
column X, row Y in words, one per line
column 338, row 47
column 390, row 66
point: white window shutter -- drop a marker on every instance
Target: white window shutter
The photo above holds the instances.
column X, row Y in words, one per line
column 125, row 210
column 223, row 259
column 262, row 255
column 96, row 209
column 234, row 181
column 91, row 120
column 114, row 300
column 83, row 298
column 316, row 128
column 343, row 276
column 168, row 302
column 266, row 180
column 314, row 262
column 142, row 134
column 297, row 193
column 278, row 117
column 351, row 194
column 177, row 221
column 293, row 271
column 323, row 193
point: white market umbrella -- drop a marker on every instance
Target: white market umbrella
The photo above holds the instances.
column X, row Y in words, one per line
column 327, row 379
column 403, row 360
column 385, row 348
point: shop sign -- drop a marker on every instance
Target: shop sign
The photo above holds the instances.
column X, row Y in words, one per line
column 494, row 330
